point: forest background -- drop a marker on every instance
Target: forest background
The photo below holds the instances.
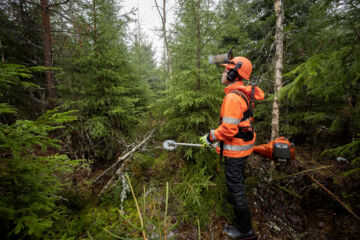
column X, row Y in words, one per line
column 78, row 90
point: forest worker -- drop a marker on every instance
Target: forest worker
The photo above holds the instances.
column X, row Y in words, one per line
column 236, row 138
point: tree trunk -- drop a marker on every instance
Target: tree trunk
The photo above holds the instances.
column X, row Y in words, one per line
column 2, row 53
column 95, row 38
column 166, row 43
column 47, row 44
column 198, row 40
column 279, row 11
column 138, row 42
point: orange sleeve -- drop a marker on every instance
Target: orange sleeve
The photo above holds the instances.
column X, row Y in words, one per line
column 232, row 110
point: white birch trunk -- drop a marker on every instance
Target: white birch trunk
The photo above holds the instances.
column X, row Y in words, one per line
column 279, row 11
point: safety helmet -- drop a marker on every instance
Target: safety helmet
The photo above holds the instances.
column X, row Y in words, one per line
column 243, row 65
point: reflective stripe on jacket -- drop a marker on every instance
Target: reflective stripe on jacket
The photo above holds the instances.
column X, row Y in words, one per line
column 232, row 110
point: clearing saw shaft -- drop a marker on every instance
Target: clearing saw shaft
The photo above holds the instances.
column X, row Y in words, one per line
column 171, row 144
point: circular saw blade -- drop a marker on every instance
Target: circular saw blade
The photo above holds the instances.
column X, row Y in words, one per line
column 169, row 145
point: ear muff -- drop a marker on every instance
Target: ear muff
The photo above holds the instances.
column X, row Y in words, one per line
column 233, row 73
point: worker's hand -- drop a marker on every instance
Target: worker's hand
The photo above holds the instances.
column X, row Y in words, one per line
column 205, row 140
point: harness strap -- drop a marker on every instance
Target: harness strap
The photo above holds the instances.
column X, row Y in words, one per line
column 250, row 111
column 241, row 94
column 246, row 133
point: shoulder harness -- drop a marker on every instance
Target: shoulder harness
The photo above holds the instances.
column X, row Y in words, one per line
column 249, row 113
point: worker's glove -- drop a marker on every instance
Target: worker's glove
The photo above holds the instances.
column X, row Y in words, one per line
column 205, row 140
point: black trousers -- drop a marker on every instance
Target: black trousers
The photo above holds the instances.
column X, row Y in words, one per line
column 235, row 181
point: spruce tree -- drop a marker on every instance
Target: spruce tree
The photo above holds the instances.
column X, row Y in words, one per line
column 101, row 83
column 31, row 176
column 323, row 86
column 192, row 104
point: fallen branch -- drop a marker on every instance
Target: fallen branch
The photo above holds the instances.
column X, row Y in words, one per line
column 110, row 184
column 123, row 157
column 334, row 196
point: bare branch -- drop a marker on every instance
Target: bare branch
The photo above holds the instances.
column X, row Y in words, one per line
column 66, row 17
column 61, row 47
column 28, row 41
column 158, row 9
column 44, row 103
column 57, row 4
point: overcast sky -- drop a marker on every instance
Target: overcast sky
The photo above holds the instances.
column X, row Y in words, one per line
column 150, row 19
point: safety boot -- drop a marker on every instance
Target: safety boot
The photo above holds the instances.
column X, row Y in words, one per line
column 234, row 233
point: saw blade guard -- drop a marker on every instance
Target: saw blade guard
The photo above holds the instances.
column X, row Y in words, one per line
column 169, row 144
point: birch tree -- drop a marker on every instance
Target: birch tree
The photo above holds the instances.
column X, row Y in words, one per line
column 279, row 11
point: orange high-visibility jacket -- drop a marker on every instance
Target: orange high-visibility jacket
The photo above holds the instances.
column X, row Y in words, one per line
column 232, row 110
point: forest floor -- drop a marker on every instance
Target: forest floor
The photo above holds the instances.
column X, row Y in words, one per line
column 291, row 205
